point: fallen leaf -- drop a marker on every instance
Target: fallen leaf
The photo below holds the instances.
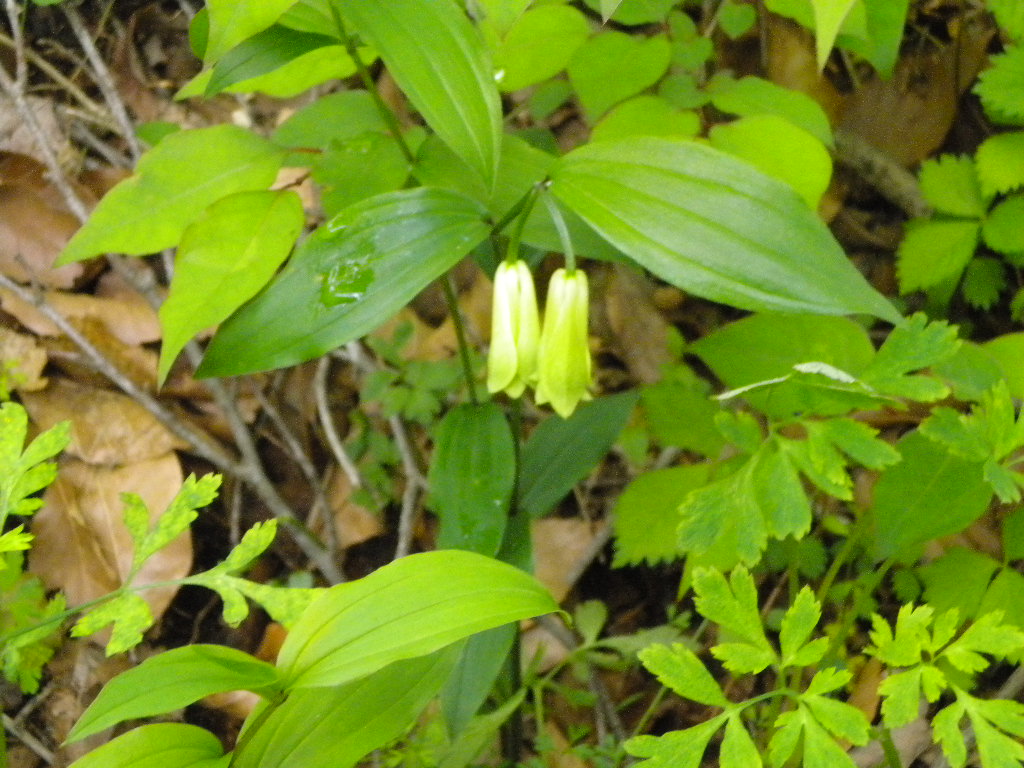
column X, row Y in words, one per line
column 562, row 550
column 81, row 545
column 137, row 363
column 106, row 427
column 640, row 330
column 353, row 523
column 22, row 361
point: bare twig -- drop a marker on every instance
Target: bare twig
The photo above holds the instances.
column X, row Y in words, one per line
column 892, row 181
column 330, row 431
column 30, row 741
column 414, row 480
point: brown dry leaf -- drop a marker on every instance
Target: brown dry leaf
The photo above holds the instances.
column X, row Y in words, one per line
column 441, row 343
column 542, row 648
column 865, row 696
column 32, row 235
column 560, row 756
column 792, row 63
column 106, row 427
column 81, row 544
column 563, row 548
column 137, row 363
column 17, row 136
column 909, row 116
column 353, row 523
column 641, row 331
column 124, row 313
column 21, row 361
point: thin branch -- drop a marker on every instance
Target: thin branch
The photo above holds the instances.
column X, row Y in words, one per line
column 30, row 741
column 414, row 480
column 330, row 431
column 890, row 179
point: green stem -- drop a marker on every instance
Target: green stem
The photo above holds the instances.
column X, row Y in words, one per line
column 892, row 755
column 512, row 731
column 862, row 594
column 563, row 233
column 841, row 557
column 394, row 127
column 460, row 335
column 516, row 238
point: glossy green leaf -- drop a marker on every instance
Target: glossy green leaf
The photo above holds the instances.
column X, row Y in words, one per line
column 612, row 66
column 713, row 225
column 225, row 257
column 751, row 96
column 646, row 116
column 411, row 607
column 950, row 184
column 172, row 680
column 472, row 474
column 935, row 250
column 829, row 16
column 561, row 452
column 539, row 45
column 374, row 159
column 168, row 745
column 232, row 21
column 337, row 726
column 910, row 495
column 173, row 183
column 439, row 61
column 382, row 251
column 778, row 148
column 1000, row 162
column 262, row 53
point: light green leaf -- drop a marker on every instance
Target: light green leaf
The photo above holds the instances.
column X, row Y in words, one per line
column 262, row 53
column 935, row 250
column 169, row 745
column 675, row 749
column 254, row 542
column 736, row 19
column 646, row 116
column 712, row 225
column 829, row 16
column 1009, row 15
column 905, row 646
column 912, row 345
column 173, row 183
column 679, row 669
column 24, row 473
column 1000, row 160
column 996, row 749
column 731, row 604
column 483, row 657
column 633, row 13
column 420, row 603
column 561, row 452
column 958, row 579
column 780, row 495
column 350, row 721
column 819, row 460
column 797, row 625
column 751, row 96
column 130, row 616
column 821, row 750
column 780, row 149
column 225, row 257
column 439, row 61
column 1002, row 230
column 172, row 680
column 539, row 45
column 738, row 749
column 743, row 658
column 722, row 523
column 842, row 720
column 612, row 66
column 988, row 635
column 337, row 116
column 232, row 21
column 179, row 514
column 859, row 441
column 1001, row 84
column 946, row 731
column 901, row 693
column 374, row 158
column 984, row 279
column 647, row 514
column 502, row 14
column 928, row 479
column 471, row 478
column 382, row 251
column 885, row 21
column 950, row 184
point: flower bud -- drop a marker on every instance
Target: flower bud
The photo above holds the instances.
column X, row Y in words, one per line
column 563, row 364
column 515, row 328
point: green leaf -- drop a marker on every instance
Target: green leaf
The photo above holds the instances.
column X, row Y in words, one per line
column 253, row 543
column 678, row 412
column 24, row 473
column 439, row 61
column 612, row 66
column 946, row 731
column 928, row 479
column 678, row 668
column 179, row 514
column 797, row 625
column 1009, row 15
column 539, row 45
column 885, row 20
column 1013, row 535
column 842, row 720
column 561, row 452
column 472, row 474
column 901, row 693
column 860, row 442
column 30, row 624
column 780, row 495
column 996, row 749
column 722, row 523
column 958, row 579
column 169, row 745
column 1000, row 160
column 172, row 680
column 935, row 250
column 483, row 657
column 130, row 616
column 479, row 733
column 225, row 257
column 712, row 225
column 738, row 749
column 336, row 726
column 984, row 280
column 335, row 117
column 420, row 603
column 675, row 749
column 988, row 635
column 374, row 158
column 382, row 251
column 950, row 184
column 501, row 14
column 736, row 19
column 905, row 646
column 750, row 96
column 1000, row 86
column 232, row 21
column 262, row 53
column 173, row 183
column 912, row 345
column 780, row 149
column 647, row 514
column 829, row 16
column 646, row 115
column 632, row 13
column 1002, row 230
column 731, row 604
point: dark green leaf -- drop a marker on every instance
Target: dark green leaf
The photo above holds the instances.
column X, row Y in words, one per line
column 383, row 251
column 713, row 225
column 264, row 52
column 482, row 659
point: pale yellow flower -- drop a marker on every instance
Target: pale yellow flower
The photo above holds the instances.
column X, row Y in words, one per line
column 563, row 362
column 515, row 329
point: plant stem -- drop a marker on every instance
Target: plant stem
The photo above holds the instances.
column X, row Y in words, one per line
column 563, row 233
column 892, row 755
column 460, row 334
column 841, row 557
column 514, row 239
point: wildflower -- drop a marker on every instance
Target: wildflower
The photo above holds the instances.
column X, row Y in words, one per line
column 515, row 328
column 563, row 364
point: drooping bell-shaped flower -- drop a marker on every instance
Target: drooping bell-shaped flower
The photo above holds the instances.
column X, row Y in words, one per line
column 515, row 330
column 563, row 363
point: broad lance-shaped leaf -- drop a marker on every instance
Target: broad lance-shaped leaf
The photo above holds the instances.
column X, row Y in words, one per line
column 439, row 60
column 349, row 277
column 173, row 183
column 713, row 225
column 409, row 608
column 169, row 745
